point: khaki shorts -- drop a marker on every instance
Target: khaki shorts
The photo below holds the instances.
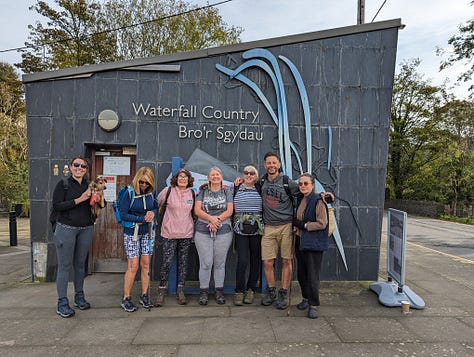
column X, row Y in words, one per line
column 277, row 237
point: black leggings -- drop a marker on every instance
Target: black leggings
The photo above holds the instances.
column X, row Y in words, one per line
column 170, row 246
column 248, row 251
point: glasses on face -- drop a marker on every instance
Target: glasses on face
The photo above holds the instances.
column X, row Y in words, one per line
column 143, row 183
column 304, row 183
column 251, row 173
column 184, row 176
column 82, row 166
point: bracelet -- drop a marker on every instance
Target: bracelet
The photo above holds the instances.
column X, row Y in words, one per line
column 305, row 226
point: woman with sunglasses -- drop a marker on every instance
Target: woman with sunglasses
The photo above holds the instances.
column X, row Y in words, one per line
column 73, row 234
column 139, row 240
column 311, row 227
column 213, row 234
column 177, row 230
column 248, row 230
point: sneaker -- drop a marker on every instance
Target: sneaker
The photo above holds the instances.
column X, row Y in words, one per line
column 128, row 305
column 220, row 299
column 145, row 301
column 238, row 299
column 303, row 305
column 249, row 296
column 64, row 310
column 81, row 302
column 203, row 297
column 282, row 302
column 312, row 313
column 269, row 297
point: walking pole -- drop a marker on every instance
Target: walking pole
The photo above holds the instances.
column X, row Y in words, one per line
column 292, row 269
column 150, row 271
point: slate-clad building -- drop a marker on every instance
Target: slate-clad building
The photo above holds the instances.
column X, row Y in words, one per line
column 320, row 100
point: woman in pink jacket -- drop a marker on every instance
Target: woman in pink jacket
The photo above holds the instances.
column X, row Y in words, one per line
column 177, row 230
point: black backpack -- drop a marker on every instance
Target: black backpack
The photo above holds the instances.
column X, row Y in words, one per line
column 53, row 215
column 286, row 186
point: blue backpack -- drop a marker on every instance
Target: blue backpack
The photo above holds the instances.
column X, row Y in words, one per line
column 120, row 194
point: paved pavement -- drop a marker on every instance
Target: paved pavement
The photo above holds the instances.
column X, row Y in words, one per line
column 351, row 322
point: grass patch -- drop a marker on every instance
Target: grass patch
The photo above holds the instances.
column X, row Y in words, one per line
column 465, row 220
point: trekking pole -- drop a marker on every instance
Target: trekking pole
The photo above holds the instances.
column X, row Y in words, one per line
column 150, row 271
column 292, row 269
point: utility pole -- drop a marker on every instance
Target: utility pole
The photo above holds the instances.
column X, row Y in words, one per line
column 360, row 12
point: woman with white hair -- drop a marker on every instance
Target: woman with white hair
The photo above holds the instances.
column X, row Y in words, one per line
column 248, row 230
column 213, row 233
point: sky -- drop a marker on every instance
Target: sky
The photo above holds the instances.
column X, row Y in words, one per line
column 428, row 25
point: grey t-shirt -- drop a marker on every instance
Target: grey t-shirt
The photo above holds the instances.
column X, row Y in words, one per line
column 277, row 205
column 215, row 203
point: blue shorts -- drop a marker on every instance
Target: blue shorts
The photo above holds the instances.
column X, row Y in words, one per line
column 142, row 246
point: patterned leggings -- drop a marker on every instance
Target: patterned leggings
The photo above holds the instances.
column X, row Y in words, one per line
column 170, row 246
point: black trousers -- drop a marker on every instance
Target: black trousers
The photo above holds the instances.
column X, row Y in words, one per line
column 308, row 273
column 248, row 252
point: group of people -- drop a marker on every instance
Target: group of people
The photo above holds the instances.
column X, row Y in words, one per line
column 266, row 216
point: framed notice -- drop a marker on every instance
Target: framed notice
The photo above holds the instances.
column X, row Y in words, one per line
column 110, row 194
column 396, row 241
column 117, row 165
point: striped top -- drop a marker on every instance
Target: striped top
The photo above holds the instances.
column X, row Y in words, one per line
column 247, row 200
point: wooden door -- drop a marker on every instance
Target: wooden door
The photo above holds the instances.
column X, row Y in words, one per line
column 107, row 252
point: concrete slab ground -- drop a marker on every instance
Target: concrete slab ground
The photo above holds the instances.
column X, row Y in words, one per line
column 351, row 322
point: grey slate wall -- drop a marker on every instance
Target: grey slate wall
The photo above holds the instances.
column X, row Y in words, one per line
column 349, row 83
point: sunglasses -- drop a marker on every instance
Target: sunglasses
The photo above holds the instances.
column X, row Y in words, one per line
column 304, row 183
column 143, row 183
column 76, row 164
column 251, row 173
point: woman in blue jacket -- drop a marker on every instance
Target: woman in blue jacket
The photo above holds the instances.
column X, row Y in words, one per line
column 311, row 226
column 139, row 208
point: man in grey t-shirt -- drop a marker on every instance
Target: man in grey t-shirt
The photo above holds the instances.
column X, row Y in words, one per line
column 278, row 233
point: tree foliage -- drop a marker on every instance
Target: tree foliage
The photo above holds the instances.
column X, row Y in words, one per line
column 462, row 51
column 81, row 32
column 413, row 131
column 72, row 36
column 162, row 31
column 13, row 143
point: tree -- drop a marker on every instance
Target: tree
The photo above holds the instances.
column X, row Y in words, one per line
column 413, row 131
column 13, row 147
column 462, row 50
column 84, row 32
column 457, row 164
column 73, row 36
column 166, row 26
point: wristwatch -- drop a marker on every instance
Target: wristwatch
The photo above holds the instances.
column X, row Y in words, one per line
column 306, row 226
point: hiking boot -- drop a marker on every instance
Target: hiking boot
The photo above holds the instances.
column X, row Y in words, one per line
column 282, row 302
column 220, row 299
column 269, row 297
column 128, row 305
column 145, row 301
column 312, row 313
column 303, row 305
column 238, row 299
column 180, row 295
column 80, row 301
column 203, row 297
column 249, row 296
column 160, row 299
column 64, row 310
